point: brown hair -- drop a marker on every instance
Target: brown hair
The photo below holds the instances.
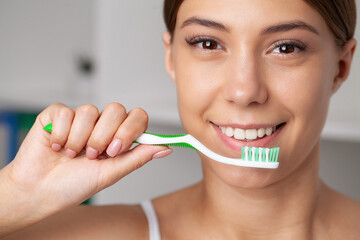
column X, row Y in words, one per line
column 339, row 15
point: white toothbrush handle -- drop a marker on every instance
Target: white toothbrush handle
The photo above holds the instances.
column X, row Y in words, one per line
column 147, row 138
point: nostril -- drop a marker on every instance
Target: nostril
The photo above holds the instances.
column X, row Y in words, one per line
column 251, row 92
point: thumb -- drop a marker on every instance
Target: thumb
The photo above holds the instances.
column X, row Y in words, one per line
column 118, row 167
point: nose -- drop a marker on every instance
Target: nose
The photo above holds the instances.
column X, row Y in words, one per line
column 244, row 83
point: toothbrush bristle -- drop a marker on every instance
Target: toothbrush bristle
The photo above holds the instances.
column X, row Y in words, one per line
column 257, row 154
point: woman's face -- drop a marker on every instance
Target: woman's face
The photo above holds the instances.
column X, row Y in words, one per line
column 253, row 72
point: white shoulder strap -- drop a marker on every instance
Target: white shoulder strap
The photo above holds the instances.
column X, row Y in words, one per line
column 154, row 230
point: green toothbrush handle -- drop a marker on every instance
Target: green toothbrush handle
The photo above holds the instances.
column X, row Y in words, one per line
column 165, row 139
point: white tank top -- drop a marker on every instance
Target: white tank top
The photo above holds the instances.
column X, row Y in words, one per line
column 154, row 230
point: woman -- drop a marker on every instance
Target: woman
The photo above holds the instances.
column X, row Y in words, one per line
column 241, row 68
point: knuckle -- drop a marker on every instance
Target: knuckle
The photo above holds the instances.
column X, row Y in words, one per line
column 57, row 104
column 88, row 109
column 65, row 112
column 116, row 107
column 141, row 113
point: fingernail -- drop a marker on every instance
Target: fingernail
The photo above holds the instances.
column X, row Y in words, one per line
column 114, row 148
column 70, row 153
column 163, row 153
column 56, row 147
column 91, row 153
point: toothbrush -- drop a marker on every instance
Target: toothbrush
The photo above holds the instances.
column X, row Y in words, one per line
column 256, row 157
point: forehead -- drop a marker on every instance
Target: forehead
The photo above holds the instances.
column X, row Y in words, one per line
column 245, row 15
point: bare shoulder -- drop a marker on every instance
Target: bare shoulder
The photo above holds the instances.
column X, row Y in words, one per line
column 343, row 216
column 90, row 222
column 177, row 213
column 348, row 212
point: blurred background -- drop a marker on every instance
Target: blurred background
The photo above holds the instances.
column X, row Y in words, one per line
column 101, row 51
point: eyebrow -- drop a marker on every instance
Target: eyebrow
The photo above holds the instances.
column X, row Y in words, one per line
column 283, row 27
column 205, row 23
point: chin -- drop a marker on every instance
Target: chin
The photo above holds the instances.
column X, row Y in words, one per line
column 241, row 177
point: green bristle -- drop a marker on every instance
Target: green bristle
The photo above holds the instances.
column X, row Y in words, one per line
column 271, row 154
column 249, row 154
column 242, row 153
column 277, row 154
column 256, row 154
column 263, row 157
column 273, row 157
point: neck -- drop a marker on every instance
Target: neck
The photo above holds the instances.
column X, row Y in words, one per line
column 282, row 210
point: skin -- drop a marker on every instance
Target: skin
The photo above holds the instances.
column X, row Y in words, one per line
column 244, row 81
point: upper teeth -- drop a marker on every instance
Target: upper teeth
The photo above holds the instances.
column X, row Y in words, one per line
column 248, row 134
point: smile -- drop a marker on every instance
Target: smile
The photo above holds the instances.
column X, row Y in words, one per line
column 248, row 134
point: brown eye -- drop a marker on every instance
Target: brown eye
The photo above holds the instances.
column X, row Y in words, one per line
column 287, row 49
column 209, row 45
column 204, row 43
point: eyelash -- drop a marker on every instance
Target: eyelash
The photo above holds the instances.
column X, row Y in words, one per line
column 292, row 43
column 296, row 45
column 194, row 41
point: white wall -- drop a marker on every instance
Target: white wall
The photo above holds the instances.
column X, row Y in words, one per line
column 130, row 58
column 40, row 41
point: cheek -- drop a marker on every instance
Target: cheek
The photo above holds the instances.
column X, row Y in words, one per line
column 306, row 90
column 197, row 85
column 304, row 93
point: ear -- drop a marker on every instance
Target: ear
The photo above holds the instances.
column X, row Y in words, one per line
column 169, row 65
column 344, row 64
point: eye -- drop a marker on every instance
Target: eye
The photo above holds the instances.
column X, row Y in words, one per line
column 204, row 43
column 288, row 47
column 208, row 44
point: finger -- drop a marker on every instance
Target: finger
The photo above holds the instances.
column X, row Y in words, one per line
column 116, row 168
column 61, row 116
column 134, row 125
column 47, row 115
column 111, row 118
column 82, row 126
column 62, row 121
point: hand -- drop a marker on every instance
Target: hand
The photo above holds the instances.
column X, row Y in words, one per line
column 85, row 153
